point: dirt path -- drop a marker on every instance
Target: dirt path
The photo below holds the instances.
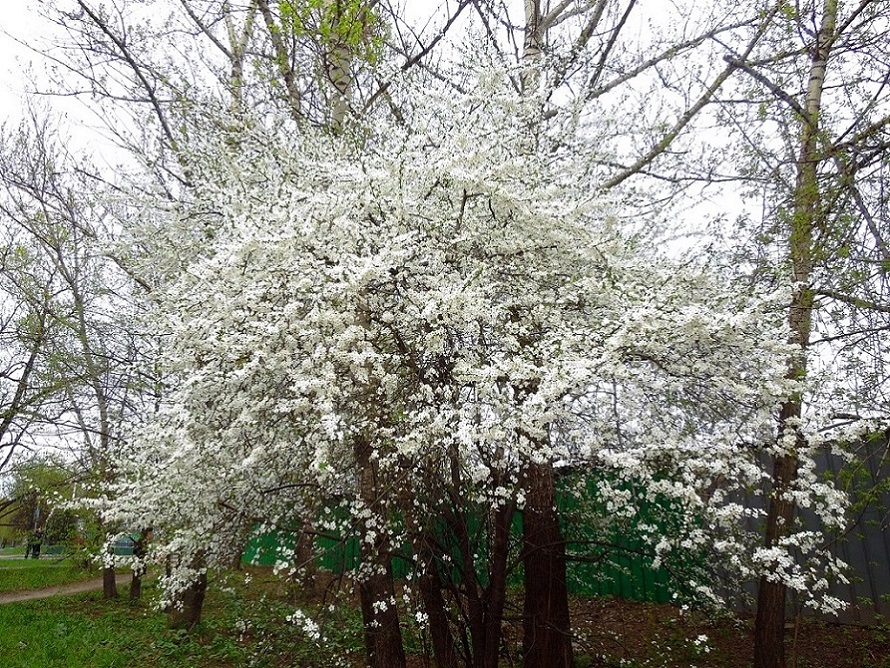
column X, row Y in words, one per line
column 62, row 590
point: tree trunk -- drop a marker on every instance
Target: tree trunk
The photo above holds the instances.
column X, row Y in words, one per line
column 769, row 624
column 547, row 637
column 496, row 592
column 307, row 568
column 429, row 584
column 807, row 216
column 469, row 593
column 380, row 615
column 109, row 581
column 430, row 588
column 383, row 637
column 139, row 551
column 186, row 613
column 136, row 586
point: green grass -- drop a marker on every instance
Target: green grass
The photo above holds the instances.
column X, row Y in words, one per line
column 86, row 631
column 20, row 574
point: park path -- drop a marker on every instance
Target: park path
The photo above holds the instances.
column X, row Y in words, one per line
column 61, row 590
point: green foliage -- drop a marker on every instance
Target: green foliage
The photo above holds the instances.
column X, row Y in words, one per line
column 8, row 534
column 788, row 10
column 39, row 484
column 865, row 475
column 341, row 23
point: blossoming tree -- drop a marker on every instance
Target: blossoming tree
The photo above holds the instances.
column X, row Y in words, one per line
column 397, row 317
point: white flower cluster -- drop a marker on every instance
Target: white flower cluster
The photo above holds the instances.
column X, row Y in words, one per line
column 308, row 626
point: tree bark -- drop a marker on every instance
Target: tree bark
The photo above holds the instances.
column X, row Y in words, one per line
column 383, row 636
column 430, row 588
column 109, row 582
column 547, row 634
column 187, row 613
column 139, row 551
column 547, row 637
column 305, row 560
column 429, row 584
column 337, row 62
column 769, row 623
column 136, row 587
column 496, row 591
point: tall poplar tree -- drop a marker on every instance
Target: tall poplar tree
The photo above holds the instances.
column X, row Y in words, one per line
column 812, row 115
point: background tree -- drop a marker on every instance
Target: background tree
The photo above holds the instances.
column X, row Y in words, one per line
column 85, row 368
column 813, row 130
column 39, row 485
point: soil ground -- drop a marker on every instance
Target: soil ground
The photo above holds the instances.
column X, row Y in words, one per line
column 652, row 635
column 614, row 633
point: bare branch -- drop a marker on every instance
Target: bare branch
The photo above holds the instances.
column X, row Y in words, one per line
column 415, row 59
column 613, row 38
column 773, row 88
column 856, row 302
column 138, row 72
column 594, row 92
column 684, row 120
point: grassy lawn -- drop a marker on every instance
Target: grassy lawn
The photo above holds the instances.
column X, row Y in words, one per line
column 245, row 625
column 86, row 631
column 18, row 574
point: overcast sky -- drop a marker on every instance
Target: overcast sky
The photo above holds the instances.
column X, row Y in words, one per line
column 17, row 22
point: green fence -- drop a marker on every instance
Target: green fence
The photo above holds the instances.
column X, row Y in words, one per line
column 617, row 572
column 606, row 558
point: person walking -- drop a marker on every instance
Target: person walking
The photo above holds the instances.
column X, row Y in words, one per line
column 33, row 547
